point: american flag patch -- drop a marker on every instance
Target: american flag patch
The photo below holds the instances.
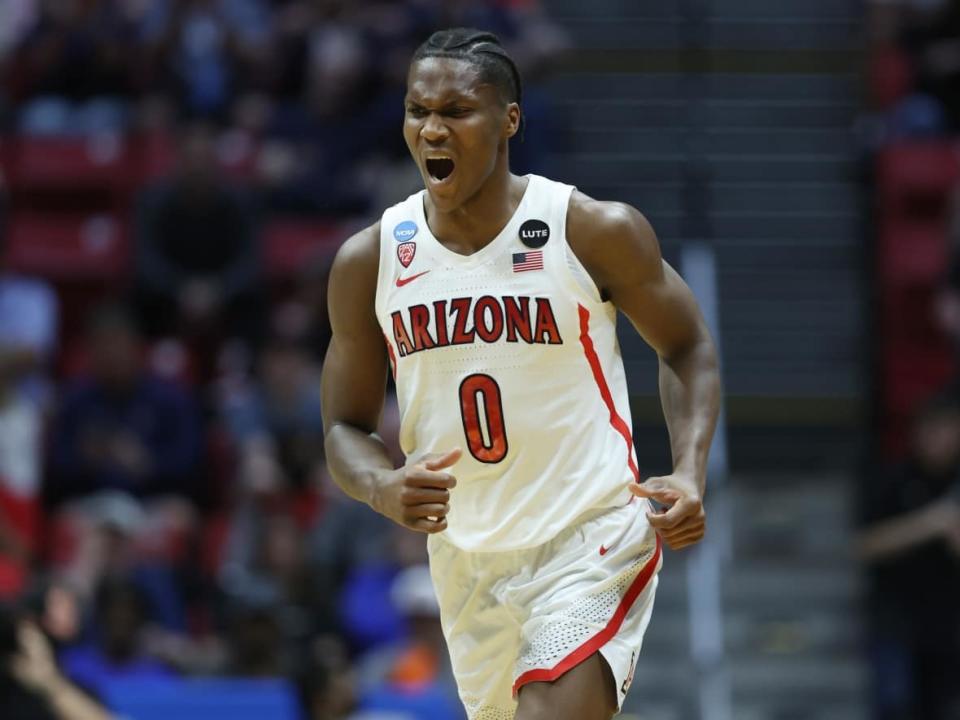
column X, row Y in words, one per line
column 532, row 260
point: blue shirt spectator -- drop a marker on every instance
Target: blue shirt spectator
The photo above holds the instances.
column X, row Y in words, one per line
column 28, row 314
column 122, row 429
column 121, row 615
column 204, row 48
column 28, row 333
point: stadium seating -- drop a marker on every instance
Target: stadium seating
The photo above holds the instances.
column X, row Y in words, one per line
column 914, row 181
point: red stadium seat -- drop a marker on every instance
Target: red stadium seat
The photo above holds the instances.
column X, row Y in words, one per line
column 911, row 376
column 891, row 76
column 911, row 252
column 291, row 244
column 5, row 162
column 154, row 155
column 22, row 518
column 60, row 163
column 917, row 178
column 915, row 183
column 67, row 247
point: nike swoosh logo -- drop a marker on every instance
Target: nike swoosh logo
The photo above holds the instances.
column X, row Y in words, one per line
column 603, row 550
column 403, row 281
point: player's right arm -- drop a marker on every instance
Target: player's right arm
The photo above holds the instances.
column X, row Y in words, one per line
column 353, row 384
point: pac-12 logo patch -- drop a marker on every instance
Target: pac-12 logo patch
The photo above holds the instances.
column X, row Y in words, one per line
column 405, row 231
column 405, row 253
column 534, row 233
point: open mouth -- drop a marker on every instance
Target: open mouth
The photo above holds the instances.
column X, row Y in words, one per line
column 439, row 168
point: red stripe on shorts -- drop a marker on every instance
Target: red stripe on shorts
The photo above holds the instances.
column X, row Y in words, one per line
column 601, row 638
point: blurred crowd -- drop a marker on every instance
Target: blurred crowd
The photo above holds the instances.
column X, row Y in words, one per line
column 317, row 85
column 910, row 500
column 914, row 66
column 165, row 510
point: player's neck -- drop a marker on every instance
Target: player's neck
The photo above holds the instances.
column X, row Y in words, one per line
column 480, row 219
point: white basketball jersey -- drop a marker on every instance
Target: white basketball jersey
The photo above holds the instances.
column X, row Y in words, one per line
column 510, row 354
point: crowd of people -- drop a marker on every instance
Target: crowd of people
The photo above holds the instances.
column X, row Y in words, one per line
column 910, row 521
column 914, row 70
column 165, row 510
column 316, row 85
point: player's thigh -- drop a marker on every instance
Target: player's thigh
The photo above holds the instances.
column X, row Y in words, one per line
column 586, row 692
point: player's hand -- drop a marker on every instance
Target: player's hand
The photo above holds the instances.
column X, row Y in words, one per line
column 417, row 495
column 684, row 521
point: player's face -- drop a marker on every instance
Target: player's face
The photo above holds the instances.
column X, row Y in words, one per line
column 455, row 127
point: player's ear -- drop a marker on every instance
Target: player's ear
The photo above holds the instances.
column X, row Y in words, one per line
column 512, row 125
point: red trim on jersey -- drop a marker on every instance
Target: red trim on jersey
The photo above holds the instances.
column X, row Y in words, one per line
column 601, row 638
column 393, row 358
column 618, row 423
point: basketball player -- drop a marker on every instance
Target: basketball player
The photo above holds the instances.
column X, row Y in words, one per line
column 492, row 299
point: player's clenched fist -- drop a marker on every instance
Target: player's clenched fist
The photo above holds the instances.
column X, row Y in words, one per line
column 684, row 522
column 417, row 495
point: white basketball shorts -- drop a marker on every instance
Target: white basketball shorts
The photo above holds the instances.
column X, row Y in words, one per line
column 531, row 615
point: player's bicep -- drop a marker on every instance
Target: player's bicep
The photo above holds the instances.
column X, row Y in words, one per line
column 663, row 310
column 643, row 285
column 355, row 368
column 353, row 385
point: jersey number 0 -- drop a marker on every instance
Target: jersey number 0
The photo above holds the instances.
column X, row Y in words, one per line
column 483, row 423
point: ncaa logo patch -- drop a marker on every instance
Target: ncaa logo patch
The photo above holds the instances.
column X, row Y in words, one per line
column 534, row 233
column 405, row 231
column 405, row 252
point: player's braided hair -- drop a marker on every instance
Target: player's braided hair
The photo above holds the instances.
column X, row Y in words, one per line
column 484, row 50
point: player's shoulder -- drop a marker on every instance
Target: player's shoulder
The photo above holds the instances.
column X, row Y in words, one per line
column 601, row 231
column 603, row 219
column 360, row 251
column 353, row 275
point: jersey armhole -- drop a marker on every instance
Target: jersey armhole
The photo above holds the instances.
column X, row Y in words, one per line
column 579, row 278
column 384, row 266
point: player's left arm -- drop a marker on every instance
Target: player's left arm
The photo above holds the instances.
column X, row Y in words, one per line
column 620, row 251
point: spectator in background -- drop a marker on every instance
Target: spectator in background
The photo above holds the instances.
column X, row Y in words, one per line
column 355, row 552
column 324, row 151
column 28, row 333
column 277, row 430
column 912, row 544
column 278, row 415
column 125, row 453
column 29, row 319
column 255, row 636
column 326, row 683
column 947, row 300
column 120, row 428
column 412, row 676
column 54, row 606
column 197, row 251
column 931, row 36
column 304, row 315
column 118, row 651
column 16, row 18
column 265, row 558
column 32, row 687
column 75, row 65
column 203, row 53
